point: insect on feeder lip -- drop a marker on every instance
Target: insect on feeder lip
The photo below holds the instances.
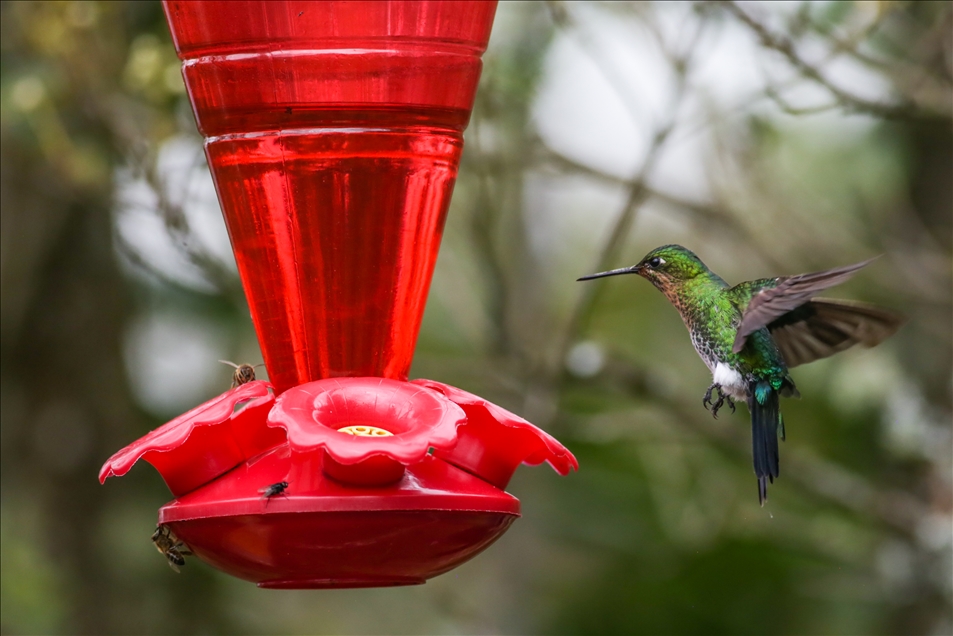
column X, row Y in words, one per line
column 273, row 491
column 170, row 547
column 244, row 373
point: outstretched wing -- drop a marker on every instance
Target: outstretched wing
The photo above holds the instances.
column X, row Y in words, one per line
column 821, row 327
column 772, row 298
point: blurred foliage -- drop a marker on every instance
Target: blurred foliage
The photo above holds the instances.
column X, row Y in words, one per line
column 660, row 531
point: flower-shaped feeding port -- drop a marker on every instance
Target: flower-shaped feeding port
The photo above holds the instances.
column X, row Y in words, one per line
column 392, row 508
column 366, row 429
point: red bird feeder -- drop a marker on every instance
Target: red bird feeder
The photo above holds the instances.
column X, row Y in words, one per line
column 333, row 132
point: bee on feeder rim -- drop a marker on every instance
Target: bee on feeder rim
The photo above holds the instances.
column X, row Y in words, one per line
column 273, row 491
column 170, row 547
column 243, row 374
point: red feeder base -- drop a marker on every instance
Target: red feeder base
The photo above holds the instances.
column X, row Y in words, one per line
column 324, row 534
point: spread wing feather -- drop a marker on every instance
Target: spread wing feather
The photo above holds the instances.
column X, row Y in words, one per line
column 821, row 327
column 779, row 296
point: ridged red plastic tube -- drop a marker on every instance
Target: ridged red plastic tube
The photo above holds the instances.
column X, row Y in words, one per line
column 333, row 132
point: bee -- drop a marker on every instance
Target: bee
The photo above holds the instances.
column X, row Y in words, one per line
column 170, row 547
column 273, row 491
column 244, row 373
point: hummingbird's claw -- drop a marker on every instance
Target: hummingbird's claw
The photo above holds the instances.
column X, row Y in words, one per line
column 717, row 404
column 706, row 401
column 731, row 403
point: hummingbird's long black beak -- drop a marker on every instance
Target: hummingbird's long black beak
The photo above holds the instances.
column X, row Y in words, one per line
column 612, row 272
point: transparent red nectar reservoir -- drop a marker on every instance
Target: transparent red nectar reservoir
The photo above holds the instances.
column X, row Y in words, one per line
column 333, row 132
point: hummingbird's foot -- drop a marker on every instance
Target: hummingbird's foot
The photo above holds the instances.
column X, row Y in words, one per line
column 720, row 402
column 717, row 404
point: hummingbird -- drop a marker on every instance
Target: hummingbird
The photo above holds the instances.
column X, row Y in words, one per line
column 750, row 335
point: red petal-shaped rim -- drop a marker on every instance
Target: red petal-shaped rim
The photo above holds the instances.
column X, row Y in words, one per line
column 419, row 419
column 494, row 442
column 193, row 448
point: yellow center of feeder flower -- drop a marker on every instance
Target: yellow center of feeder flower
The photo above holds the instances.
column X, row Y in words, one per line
column 365, row 431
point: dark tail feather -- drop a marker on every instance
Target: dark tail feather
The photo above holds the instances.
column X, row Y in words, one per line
column 765, row 422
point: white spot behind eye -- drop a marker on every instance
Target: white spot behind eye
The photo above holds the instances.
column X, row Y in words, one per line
column 661, row 261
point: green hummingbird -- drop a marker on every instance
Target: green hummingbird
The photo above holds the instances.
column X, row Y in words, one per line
column 749, row 335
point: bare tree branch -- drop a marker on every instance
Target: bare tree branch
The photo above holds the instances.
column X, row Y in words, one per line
column 637, row 194
column 846, row 100
column 180, row 230
column 702, row 213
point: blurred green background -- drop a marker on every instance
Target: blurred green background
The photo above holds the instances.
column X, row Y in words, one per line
column 771, row 139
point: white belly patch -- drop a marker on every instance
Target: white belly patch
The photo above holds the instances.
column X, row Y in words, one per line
column 730, row 380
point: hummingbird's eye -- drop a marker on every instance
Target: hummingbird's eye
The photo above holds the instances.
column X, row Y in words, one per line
column 655, row 262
